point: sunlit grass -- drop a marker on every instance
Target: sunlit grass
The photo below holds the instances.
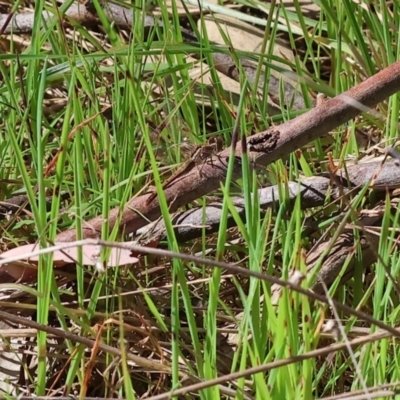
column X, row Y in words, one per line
column 115, row 95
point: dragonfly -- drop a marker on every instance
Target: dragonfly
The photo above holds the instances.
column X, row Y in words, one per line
column 200, row 154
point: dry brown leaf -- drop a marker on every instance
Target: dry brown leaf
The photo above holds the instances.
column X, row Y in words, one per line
column 247, row 38
column 244, row 37
column 26, row 267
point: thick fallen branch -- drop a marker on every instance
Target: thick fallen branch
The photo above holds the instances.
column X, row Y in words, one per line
column 12, row 205
column 264, row 148
column 313, row 192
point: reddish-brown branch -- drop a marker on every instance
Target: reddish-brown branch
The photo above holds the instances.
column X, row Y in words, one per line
column 291, row 135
